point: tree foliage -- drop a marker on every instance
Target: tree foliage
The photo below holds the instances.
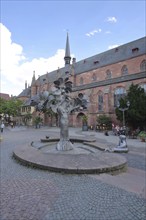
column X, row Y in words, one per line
column 135, row 116
column 10, row 107
column 104, row 120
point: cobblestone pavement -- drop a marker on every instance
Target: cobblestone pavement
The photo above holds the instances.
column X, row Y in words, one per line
column 32, row 194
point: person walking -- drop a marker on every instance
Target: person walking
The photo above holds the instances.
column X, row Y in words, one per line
column 2, row 127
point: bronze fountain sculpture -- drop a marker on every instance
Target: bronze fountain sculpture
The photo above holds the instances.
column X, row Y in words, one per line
column 60, row 101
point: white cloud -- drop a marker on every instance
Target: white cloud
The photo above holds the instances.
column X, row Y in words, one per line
column 111, row 19
column 16, row 69
column 108, row 32
column 113, row 46
column 92, row 33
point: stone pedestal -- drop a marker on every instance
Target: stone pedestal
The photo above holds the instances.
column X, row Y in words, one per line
column 64, row 145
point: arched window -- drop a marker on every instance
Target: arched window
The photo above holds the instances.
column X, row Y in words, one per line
column 118, row 94
column 124, row 70
column 108, row 74
column 81, row 81
column 143, row 86
column 100, row 101
column 143, row 65
column 94, row 77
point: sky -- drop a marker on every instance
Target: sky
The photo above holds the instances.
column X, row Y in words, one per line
column 33, row 34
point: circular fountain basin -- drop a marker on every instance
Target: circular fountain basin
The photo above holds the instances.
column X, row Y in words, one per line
column 83, row 159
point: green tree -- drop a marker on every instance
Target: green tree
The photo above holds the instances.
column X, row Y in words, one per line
column 37, row 120
column 135, row 116
column 27, row 118
column 104, row 121
column 10, row 107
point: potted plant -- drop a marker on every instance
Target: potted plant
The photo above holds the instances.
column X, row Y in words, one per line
column 85, row 123
column 142, row 136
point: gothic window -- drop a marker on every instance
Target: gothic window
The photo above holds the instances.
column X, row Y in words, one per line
column 143, row 65
column 143, row 86
column 124, row 70
column 81, row 81
column 94, row 77
column 118, row 94
column 100, row 101
column 108, row 74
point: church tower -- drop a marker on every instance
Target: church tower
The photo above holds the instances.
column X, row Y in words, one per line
column 67, row 57
column 33, row 85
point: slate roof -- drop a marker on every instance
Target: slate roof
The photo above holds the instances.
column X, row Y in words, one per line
column 123, row 52
column 25, row 93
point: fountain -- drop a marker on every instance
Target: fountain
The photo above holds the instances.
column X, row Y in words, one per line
column 60, row 101
column 79, row 154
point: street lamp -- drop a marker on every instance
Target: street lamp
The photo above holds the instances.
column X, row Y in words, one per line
column 123, row 110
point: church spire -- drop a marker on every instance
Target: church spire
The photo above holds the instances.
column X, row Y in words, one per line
column 33, row 78
column 67, row 57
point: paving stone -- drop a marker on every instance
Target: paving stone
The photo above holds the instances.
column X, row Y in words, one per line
column 28, row 193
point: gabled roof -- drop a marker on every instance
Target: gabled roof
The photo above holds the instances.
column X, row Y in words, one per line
column 5, row 96
column 25, row 93
column 118, row 54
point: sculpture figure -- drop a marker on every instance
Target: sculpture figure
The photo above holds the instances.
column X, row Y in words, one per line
column 60, row 101
column 122, row 146
column 122, row 142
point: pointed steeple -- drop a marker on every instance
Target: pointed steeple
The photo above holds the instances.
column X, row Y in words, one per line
column 67, row 57
column 33, row 79
column 25, row 84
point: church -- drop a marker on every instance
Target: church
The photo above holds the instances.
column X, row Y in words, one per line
column 103, row 78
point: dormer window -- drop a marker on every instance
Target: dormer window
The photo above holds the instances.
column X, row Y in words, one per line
column 135, row 50
column 96, row 62
column 117, row 49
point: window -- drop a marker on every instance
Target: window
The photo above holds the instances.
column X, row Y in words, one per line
column 108, row 74
column 143, row 65
column 124, row 70
column 94, row 77
column 143, row 86
column 81, row 81
column 96, row 62
column 118, row 94
column 134, row 50
column 100, row 101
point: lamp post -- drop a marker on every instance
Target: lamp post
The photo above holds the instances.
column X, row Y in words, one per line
column 123, row 110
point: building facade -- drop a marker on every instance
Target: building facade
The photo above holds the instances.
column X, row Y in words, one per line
column 103, row 78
